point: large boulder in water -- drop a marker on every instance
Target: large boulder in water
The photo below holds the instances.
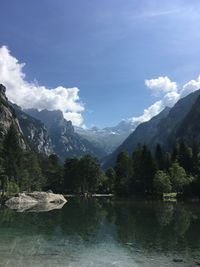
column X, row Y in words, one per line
column 26, row 201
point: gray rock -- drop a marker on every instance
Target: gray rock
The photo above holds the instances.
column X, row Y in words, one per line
column 35, row 207
column 25, row 201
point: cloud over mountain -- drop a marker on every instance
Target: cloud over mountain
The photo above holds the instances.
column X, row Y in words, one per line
column 31, row 95
column 190, row 87
column 170, row 95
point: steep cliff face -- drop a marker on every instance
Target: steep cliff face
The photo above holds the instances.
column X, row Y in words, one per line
column 35, row 132
column 66, row 142
column 8, row 118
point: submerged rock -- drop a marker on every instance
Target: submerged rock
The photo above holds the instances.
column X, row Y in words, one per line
column 32, row 207
column 36, row 201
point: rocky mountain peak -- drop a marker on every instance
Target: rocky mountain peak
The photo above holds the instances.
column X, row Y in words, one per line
column 2, row 89
column 8, row 118
column 51, row 118
column 66, row 142
column 3, row 92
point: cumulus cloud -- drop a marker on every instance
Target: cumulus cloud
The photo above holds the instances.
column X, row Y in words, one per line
column 32, row 95
column 170, row 99
column 149, row 112
column 171, row 95
column 190, row 87
column 161, row 85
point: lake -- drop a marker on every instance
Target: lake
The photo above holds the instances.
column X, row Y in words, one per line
column 102, row 233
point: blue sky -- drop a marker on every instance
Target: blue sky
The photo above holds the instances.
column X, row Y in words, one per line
column 106, row 48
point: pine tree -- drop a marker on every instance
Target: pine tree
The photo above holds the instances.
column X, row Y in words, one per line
column 148, row 170
column 111, row 179
column 12, row 154
column 124, row 172
column 185, row 157
column 90, row 170
column 72, row 175
column 159, row 158
column 53, row 173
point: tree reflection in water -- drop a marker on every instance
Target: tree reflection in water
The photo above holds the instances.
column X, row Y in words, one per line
column 149, row 225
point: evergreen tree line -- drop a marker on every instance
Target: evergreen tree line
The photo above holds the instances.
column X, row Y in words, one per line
column 28, row 171
column 160, row 172
column 144, row 172
column 25, row 170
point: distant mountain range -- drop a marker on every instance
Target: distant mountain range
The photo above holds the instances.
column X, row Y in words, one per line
column 48, row 132
column 178, row 123
column 109, row 138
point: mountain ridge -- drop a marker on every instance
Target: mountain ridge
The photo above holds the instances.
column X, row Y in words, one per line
column 66, row 142
column 142, row 134
column 108, row 138
column 164, row 132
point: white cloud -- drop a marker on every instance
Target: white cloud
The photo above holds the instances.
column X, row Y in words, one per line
column 171, row 96
column 161, row 85
column 190, row 87
column 75, row 117
column 170, row 99
column 149, row 112
column 32, row 95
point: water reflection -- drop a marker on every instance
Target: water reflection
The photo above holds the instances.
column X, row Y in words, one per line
column 95, row 232
column 35, row 207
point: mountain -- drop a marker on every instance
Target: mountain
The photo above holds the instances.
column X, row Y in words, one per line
column 189, row 129
column 35, row 132
column 166, row 128
column 142, row 135
column 66, row 142
column 45, row 132
column 8, row 119
column 109, row 138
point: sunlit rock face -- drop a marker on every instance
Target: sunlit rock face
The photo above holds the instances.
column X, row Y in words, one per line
column 8, row 118
column 31, row 132
column 66, row 142
column 35, row 132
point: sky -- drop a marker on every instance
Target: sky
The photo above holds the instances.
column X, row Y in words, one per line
column 100, row 61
